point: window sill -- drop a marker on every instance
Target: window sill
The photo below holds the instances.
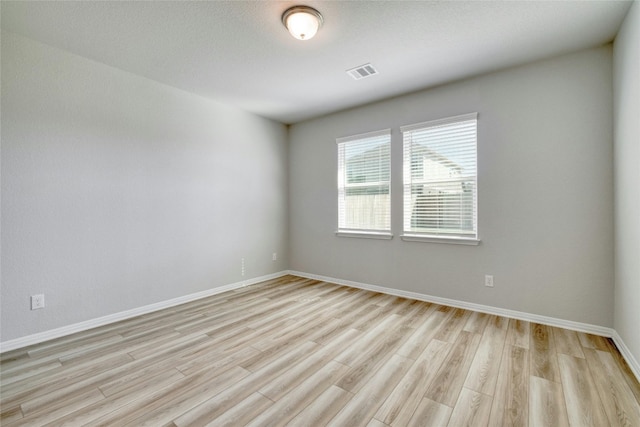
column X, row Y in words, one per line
column 437, row 239
column 365, row 235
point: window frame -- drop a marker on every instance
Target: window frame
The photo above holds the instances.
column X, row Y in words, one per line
column 342, row 186
column 429, row 236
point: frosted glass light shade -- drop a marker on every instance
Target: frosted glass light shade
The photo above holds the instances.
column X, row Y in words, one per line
column 302, row 22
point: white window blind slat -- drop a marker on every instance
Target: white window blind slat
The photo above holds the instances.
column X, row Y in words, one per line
column 440, row 177
column 364, row 166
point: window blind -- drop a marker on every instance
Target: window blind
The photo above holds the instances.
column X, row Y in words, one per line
column 364, row 163
column 440, row 178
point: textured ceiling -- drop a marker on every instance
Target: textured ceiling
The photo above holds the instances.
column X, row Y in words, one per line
column 239, row 53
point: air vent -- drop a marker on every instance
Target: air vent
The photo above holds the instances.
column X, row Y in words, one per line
column 362, row 71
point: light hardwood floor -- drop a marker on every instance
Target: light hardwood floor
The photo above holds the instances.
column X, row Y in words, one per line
column 299, row 352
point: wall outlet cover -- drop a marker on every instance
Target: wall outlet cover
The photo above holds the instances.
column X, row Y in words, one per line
column 488, row 280
column 37, row 301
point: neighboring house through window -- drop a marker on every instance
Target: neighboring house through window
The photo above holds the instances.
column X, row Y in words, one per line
column 364, row 204
column 440, row 180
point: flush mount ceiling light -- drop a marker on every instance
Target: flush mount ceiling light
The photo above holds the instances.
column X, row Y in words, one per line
column 302, row 22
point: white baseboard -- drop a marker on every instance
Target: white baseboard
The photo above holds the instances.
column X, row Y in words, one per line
column 545, row 320
column 116, row 317
column 626, row 353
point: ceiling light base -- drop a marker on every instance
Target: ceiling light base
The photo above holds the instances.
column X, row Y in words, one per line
column 303, row 22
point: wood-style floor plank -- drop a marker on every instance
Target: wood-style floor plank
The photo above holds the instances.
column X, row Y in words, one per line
column 152, row 407
column 370, row 361
column 297, row 373
column 323, row 409
column 483, row 371
column 519, row 333
column 430, row 413
column 593, row 341
column 301, row 352
column 477, row 322
column 543, row 360
column 584, row 406
column 221, row 402
column 10, row 414
column 152, row 387
column 616, row 396
column 446, row 387
column 361, row 408
column 547, row 407
column 624, row 368
column 242, row 413
column 511, row 403
column 52, row 413
column 405, row 398
column 423, row 334
column 299, row 397
column 453, row 325
column 471, row 409
column 567, row 342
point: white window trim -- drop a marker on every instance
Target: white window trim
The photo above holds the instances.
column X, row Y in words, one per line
column 365, row 234
column 447, row 120
column 373, row 134
column 470, row 241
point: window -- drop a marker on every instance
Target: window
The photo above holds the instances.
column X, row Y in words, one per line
column 440, row 180
column 364, row 206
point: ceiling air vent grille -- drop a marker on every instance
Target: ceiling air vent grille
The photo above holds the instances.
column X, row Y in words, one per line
column 362, row 71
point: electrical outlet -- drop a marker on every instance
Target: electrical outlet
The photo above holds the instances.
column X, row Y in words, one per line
column 242, row 263
column 274, row 257
column 37, row 301
column 488, row 280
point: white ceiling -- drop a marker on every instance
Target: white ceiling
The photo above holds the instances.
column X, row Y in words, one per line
column 238, row 52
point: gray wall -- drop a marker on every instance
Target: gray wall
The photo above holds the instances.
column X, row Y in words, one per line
column 545, row 193
column 627, row 177
column 118, row 192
